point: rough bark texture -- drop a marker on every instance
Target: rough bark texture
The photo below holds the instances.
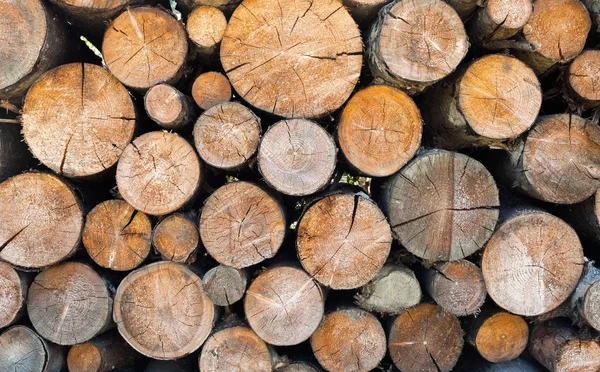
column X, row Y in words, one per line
column 499, row 20
column 162, row 310
column 241, row 225
column 583, row 78
column 585, row 217
column 298, row 367
column 176, row 238
column 425, row 338
column 442, row 206
column 585, row 300
column 413, row 44
column 464, row 8
column 292, row 58
column 210, row 89
column 498, row 336
column 168, row 107
column 92, row 13
column 14, row 155
column 77, row 119
column 364, row 11
column 593, row 6
column 206, row 27
column 343, row 240
column 21, row 349
column 225, row 285
column 102, row 354
column 225, row 5
column 13, row 292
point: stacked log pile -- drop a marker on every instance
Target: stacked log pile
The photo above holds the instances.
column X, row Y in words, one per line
column 299, row 185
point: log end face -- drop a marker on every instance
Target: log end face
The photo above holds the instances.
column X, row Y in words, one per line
column 22, row 349
column 510, row 14
column 224, row 285
column 206, row 26
column 584, row 76
column 591, row 306
column 502, row 337
column 578, row 356
column 163, row 104
column 12, row 297
column 176, row 238
column 210, row 89
column 84, row 358
column 458, row 287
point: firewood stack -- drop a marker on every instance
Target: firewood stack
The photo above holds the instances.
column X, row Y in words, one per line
column 299, row 185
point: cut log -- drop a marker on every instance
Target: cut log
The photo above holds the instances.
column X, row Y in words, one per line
column 210, row 89
column 116, row 236
column 464, row 8
column 77, row 119
column 168, row 107
column 13, row 292
column 176, row 238
column 91, row 13
column 425, row 338
column 205, row 27
column 162, row 310
column 557, row 161
column 442, row 206
column 556, row 345
column 498, row 336
column 224, row 5
column 364, row 11
column 585, row 300
column 394, row 289
column 14, row 154
column 558, row 30
column 298, row 367
column 41, row 219
column 226, row 135
column 343, row 240
column 33, row 42
column 284, row 306
column 532, row 263
column 379, row 130
column 593, row 6
column 21, row 349
column 456, row 286
column 251, row 220
column 585, row 217
column 158, row 173
column 225, row 285
column 496, row 98
column 499, row 20
column 349, row 340
column 70, row 303
column 413, row 44
column 102, row 354
column 583, row 78
column 141, row 56
column 297, row 157
column 296, row 59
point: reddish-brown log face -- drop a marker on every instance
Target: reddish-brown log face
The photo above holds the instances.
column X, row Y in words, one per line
column 210, row 89
column 293, row 58
column 176, row 238
column 206, row 26
column 41, row 220
column 84, row 358
column 584, row 76
column 502, row 337
column 77, row 119
column 11, row 294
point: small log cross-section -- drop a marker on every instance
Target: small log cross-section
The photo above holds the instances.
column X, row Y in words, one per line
column 225, row 285
column 162, row 310
column 21, row 349
column 176, row 238
column 41, row 221
column 583, row 77
column 205, row 27
column 158, row 173
column 102, row 354
column 379, row 130
column 498, row 336
column 343, row 240
column 210, row 89
column 145, row 46
column 297, row 157
column 413, row 44
column 77, row 119
column 284, row 306
column 91, row 12
column 442, row 206
column 224, row 5
column 13, row 292
column 349, row 340
column 499, row 20
column 168, row 107
column 585, row 300
column 242, row 225
column 116, row 236
column 532, row 263
column 425, row 338
column 292, row 58
column 226, row 135
column 69, row 304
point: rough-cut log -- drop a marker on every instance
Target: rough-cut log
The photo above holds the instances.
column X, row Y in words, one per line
column 102, row 354
column 464, row 8
column 162, row 310
column 557, row 30
column 158, row 173
column 499, row 20
column 593, row 6
column 442, row 206
column 227, row 135
column 284, row 306
column 583, row 78
column 292, row 58
column 456, row 286
column 532, row 262
column 176, row 238
column 350, row 340
column 13, row 292
column 498, row 336
column 343, row 240
column 496, row 98
column 557, row 346
column 557, row 161
column 145, row 46
column 298, row 367
column 425, row 338
column 205, row 27
column 116, row 236
column 413, row 44
column 21, row 349
column 14, row 155
column 364, row 11
column 585, row 300
column 77, row 119
column 394, row 289
column 168, row 107
column 379, row 130
column 241, row 225
column 224, row 5
column 91, row 12
column 225, row 285
column 210, row 89
column 41, row 221
column 585, row 217
column 297, row 157
column 70, row 303
column 33, row 42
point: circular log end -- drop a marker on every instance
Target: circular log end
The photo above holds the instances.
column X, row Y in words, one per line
column 164, row 104
column 12, row 296
column 206, row 26
column 510, row 14
column 578, row 356
column 176, row 238
column 502, row 337
column 84, row 358
column 591, row 305
column 225, row 285
column 210, row 89
column 21, row 349
column 584, row 76
column 458, row 287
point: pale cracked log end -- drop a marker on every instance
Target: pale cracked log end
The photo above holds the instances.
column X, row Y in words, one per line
column 206, row 27
column 168, row 107
column 500, row 20
column 583, row 77
column 21, row 349
column 176, row 238
column 225, row 285
column 13, row 292
column 210, row 89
